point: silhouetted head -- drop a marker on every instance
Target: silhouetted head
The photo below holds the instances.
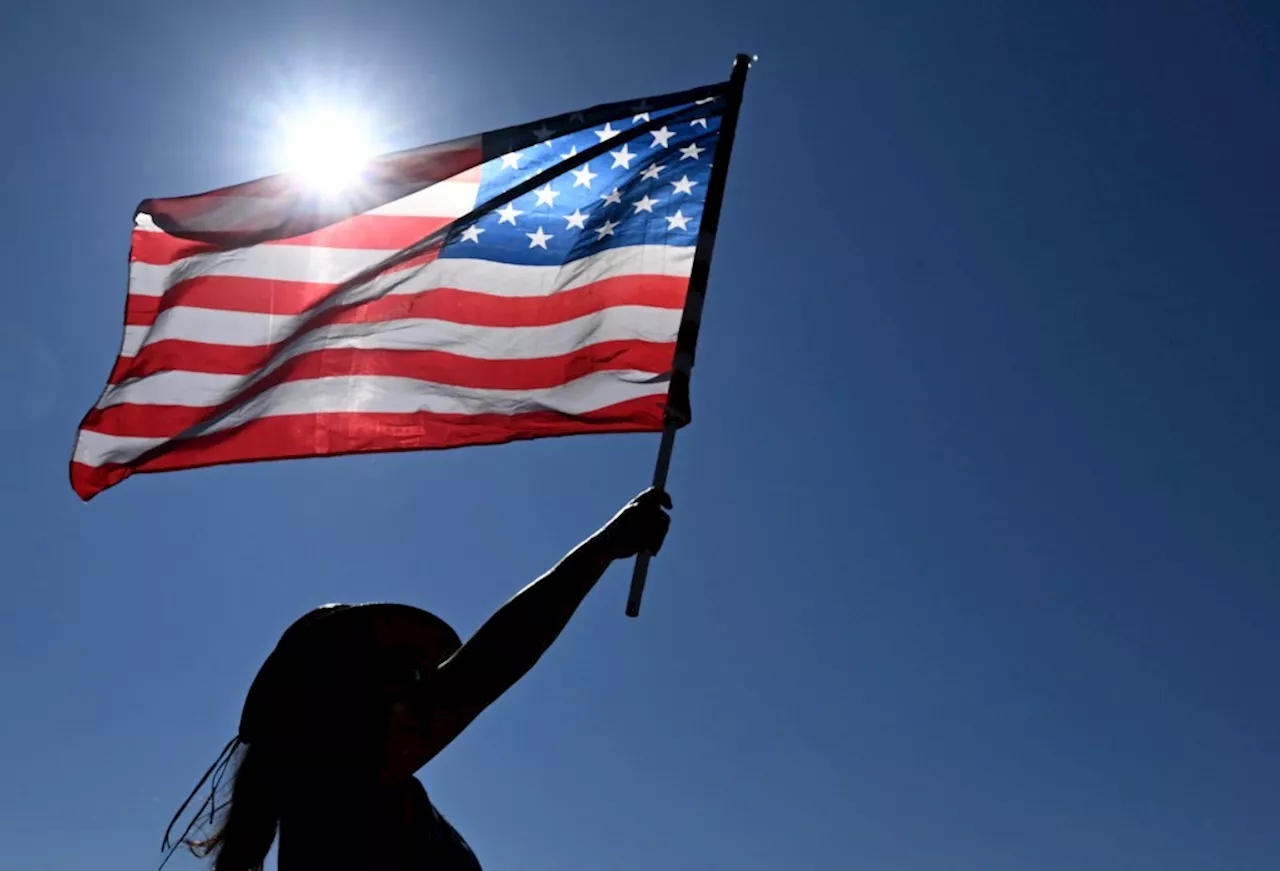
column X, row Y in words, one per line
column 343, row 694
column 341, row 681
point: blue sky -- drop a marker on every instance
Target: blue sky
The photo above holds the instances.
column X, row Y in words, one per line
column 975, row 555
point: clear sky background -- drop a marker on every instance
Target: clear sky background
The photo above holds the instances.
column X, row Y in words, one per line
column 976, row 548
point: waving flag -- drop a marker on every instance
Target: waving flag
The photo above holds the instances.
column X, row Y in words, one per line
column 522, row 283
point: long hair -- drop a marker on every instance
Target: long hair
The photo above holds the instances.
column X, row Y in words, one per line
column 236, row 825
column 246, row 826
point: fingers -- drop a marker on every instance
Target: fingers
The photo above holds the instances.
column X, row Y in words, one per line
column 641, row 526
column 652, row 531
column 660, row 534
column 654, row 497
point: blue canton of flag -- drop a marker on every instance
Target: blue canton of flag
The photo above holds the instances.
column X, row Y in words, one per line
column 649, row 190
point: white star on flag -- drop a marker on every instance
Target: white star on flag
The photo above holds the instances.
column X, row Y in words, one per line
column 472, row 234
column 547, row 196
column 684, row 186
column 622, row 158
column 677, row 221
column 607, row 133
column 607, row 228
column 539, row 239
column 573, row 152
column 661, row 137
column 652, row 171
column 511, row 160
column 577, row 219
column 645, row 204
column 696, row 121
column 612, row 199
column 583, row 175
column 692, row 152
column 508, row 214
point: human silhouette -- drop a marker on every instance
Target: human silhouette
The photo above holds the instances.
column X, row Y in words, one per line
column 354, row 699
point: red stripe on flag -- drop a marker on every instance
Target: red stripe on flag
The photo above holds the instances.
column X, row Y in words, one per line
column 366, row 232
column 438, row 367
column 311, row 435
column 373, row 232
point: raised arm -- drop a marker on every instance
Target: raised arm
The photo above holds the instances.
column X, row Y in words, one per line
column 509, row 643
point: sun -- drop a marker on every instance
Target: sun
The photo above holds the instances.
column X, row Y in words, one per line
column 326, row 148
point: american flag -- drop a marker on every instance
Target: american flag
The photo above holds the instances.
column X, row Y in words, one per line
column 522, row 283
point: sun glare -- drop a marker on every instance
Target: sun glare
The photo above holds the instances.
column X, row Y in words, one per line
column 326, row 148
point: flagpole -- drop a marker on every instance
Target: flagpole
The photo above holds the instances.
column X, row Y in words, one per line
column 686, row 342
